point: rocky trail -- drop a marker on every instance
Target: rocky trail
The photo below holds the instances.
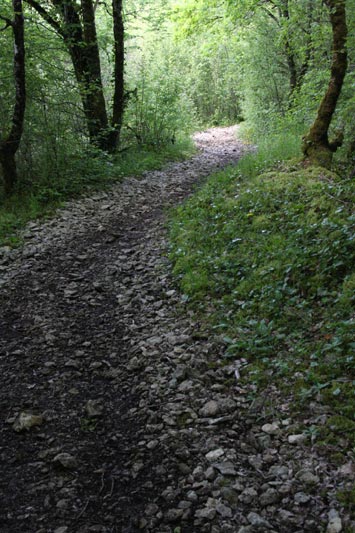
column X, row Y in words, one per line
column 116, row 414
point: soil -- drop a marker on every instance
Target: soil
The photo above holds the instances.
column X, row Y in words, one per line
column 117, row 415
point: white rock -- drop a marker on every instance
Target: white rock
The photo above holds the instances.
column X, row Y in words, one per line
column 214, row 454
column 271, row 429
column 209, row 409
column 297, row 439
column 335, row 524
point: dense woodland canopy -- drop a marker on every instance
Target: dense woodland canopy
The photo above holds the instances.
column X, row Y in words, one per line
column 81, row 80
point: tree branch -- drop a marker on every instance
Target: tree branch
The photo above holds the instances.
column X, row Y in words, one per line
column 46, row 16
column 7, row 21
column 271, row 15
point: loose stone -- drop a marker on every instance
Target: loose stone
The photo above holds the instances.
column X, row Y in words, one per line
column 335, row 524
column 209, row 409
column 307, row 477
column 297, row 439
column 226, row 468
column 173, row 515
column 94, row 408
column 224, row 511
column 258, row 521
column 25, row 421
column 269, row 497
column 302, row 498
column 214, row 454
column 271, row 429
column 206, row 514
column 65, row 460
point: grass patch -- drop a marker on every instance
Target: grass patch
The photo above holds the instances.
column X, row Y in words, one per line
column 347, row 498
column 269, row 257
column 81, row 176
column 269, row 152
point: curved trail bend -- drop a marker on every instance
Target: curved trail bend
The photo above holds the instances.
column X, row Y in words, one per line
column 139, row 430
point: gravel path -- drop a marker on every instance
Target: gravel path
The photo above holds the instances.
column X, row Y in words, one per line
column 117, row 415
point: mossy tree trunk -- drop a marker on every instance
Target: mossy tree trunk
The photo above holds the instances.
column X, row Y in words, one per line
column 317, row 148
column 10, row 144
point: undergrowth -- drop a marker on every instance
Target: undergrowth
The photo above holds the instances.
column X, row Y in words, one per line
column 41, row 196
column 267, row 251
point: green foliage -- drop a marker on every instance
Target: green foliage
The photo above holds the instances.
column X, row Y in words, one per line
column 159, row 108
column 347, row 498
column 210, row 60
column 269, row 151
column 213, row 78
column 270, row 256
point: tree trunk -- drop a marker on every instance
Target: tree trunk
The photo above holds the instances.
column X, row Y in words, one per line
column 81, row 40
column 95, row 100
column 9, row 170
column 118, row 97
column 351, row 158
column 316, row 145
column 10, row 145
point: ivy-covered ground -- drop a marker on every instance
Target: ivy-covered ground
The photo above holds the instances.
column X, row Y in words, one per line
column 269, row 260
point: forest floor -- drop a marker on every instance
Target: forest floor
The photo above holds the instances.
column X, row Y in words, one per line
column 116, row 414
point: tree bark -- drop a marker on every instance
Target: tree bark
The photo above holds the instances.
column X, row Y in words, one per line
column 10, row 145
column 118, row 97
column 95, row 100
column 351, row 158
column 316, row 145
column 81, row 40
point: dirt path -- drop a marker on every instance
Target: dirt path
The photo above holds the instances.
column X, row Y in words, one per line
column 136, row 426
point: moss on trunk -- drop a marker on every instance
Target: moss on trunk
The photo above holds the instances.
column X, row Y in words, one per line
column 316, row 145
